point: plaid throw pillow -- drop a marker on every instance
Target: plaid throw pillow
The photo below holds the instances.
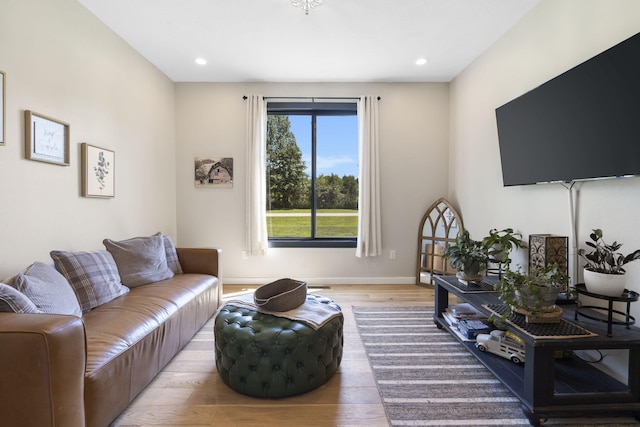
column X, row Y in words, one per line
column 93, row 276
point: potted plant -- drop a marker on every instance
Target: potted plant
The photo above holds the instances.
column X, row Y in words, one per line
column 500, row 244
column 534, row 294
column 603, row 271
column 468, row 256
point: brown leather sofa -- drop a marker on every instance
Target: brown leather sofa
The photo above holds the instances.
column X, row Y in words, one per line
column 67, row 371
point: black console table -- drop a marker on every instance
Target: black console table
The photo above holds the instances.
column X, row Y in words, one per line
column 554, row 382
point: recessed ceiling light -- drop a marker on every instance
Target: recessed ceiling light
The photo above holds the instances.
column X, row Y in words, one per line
column 421, row 61
column 201, row 61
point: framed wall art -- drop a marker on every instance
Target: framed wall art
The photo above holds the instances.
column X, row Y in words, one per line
column 98, row 171
column 213, row 172
column 2, row 106
column 46, row 139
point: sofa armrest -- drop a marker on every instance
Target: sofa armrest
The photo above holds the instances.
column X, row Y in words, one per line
column 42, row 365
column 200, row 260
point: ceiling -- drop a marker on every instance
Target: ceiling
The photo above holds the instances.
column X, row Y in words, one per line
column 338, row 41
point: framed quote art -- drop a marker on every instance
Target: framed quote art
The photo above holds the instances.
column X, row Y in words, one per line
column 46, row 139
column 98, row 171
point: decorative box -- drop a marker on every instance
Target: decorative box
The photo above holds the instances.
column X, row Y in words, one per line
column 547, row 249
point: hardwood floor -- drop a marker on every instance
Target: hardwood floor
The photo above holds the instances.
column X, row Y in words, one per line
column 189, row 392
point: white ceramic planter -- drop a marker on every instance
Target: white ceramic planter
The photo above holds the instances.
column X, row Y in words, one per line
column 611, row 285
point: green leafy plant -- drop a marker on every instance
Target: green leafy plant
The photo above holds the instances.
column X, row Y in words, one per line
column 529, row 290
column 466, row 254
column 499, row 244
column 605, row 258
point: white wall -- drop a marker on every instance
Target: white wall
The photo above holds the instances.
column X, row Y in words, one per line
column 552, row 38
column 210, row 121
column 62, row 62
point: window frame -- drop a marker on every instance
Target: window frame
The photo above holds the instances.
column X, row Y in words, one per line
column 313, row 109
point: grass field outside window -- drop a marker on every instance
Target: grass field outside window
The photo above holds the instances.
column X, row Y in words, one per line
column 297, row 223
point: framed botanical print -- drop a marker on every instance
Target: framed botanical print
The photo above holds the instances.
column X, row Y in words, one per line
column 98, row 171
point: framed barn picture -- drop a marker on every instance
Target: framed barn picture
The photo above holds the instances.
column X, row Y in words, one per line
column 213, row 172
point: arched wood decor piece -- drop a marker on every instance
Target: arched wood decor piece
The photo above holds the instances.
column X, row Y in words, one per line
column 439, row 227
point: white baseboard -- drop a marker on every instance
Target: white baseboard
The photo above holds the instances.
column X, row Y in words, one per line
column 318, row 281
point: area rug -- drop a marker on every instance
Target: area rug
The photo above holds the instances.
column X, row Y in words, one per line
column 427, row 378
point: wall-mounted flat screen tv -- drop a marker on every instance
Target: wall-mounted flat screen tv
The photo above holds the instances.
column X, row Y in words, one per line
column 583, row 124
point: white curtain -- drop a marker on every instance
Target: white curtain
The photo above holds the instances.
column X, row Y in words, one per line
column 256, row 134
column 369, row 234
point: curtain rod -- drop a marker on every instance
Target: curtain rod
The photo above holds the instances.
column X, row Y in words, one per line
column 312, row 98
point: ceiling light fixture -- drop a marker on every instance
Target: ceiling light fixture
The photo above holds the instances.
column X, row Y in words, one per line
column 201, row 61
column 306, row 5
column 421, row 61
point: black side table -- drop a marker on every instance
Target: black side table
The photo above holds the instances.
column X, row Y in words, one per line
column 627, row 297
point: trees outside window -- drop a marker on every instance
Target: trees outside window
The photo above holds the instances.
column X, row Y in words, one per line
column 287, row 180
column 312, row 176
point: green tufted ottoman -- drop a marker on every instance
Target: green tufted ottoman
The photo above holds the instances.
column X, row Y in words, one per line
column 262, row 355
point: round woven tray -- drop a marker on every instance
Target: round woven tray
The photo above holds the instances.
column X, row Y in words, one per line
column 281, row 295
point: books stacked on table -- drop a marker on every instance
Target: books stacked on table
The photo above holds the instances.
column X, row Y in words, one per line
column 465, row 321
column 454, row 313
column 470, row 328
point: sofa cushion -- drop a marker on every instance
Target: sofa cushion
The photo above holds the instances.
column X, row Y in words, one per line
column 140, row 260
column 172, row 255
column 47, row 289
column 11, row 300
column 93, row 276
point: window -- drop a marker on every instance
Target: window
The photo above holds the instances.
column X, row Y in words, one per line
column 312, row 174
